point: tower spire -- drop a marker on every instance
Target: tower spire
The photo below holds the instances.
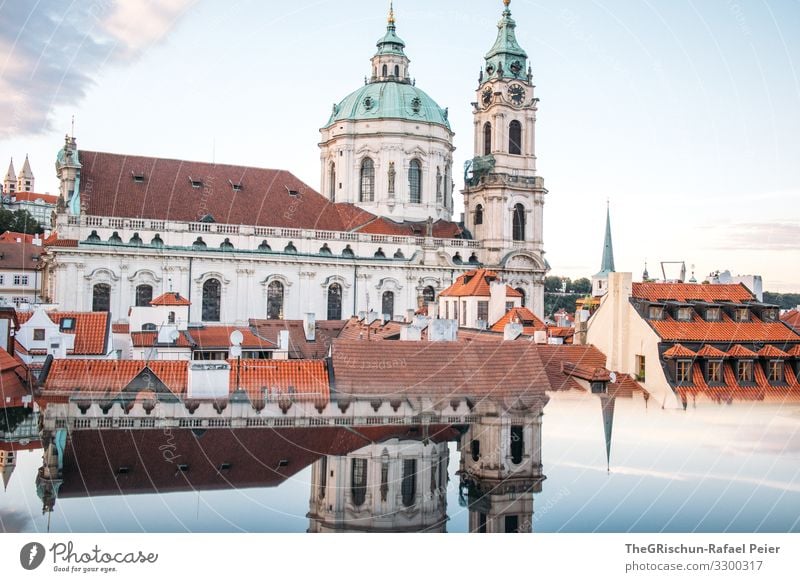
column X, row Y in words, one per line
column 607, row 265
column 391, row 13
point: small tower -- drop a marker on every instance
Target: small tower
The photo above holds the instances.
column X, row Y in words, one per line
column 600, row 279
column 68, row 170
column 10, row 181
column 503, row 196
column 8, row 461
column 25, row 180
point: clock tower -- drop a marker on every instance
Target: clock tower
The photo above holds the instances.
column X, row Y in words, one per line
column 503, row 196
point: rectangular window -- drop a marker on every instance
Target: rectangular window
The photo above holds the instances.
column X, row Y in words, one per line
column 655, row 312
column 512, row 524
column 483, row 310
column 447, row 310
column 38, row 335
column 769, row 315
column 775, row 371
column 517, row 444
column 714, row 371
column 683, row 371
column 684, row 314
column 2, row 280
column 463, row 313
column 640, row 368
column 741, row 314
column 17, row 301
column 713, row 314
column 509, row 306
column 20, row 280
column 744, row 370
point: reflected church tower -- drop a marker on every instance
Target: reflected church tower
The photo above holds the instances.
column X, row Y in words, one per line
column 501, row 468
column 394, row 486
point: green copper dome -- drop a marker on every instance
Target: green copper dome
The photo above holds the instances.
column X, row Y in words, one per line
column 389, row 100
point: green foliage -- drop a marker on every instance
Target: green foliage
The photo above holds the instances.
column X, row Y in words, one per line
column 19, row 221
column 555, row 301
column 10, row 418
column 553, row 284
column 582, row 285
column 785, row 300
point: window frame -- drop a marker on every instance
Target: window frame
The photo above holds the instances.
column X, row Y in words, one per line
column 415, row 181
column 683, row 371
column 515, row 131
column 744, row 365
column 714, row 372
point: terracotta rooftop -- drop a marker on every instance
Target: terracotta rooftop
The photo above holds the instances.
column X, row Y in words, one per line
column 792, row 318
column 11, row 237
column 730, row 389
column 124, row 328
column 33, row 197
column 299, row 348
column 147, row 339
column 692, row 292
column 679, row 351
column 13, row 380
column 475, row 284
column 187, row 191
column 90, row 331
column 725, row 330
column 219, row 337
column 770, row 351
column 708, row 351
column 739, row 351
column 170, row 299
column 530, row 323
column 19, row 256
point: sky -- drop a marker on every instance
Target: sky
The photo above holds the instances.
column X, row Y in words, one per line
column 683, row 115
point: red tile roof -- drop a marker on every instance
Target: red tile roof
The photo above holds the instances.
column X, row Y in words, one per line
column 299, row 348
column 14, row 383
column 33, row 197
column 708, row 351
column 692, row 292
column 726, row 330
column 19, row 256
column 792, row 318
column 147, row 339
column 380, row 225
column 273, row 377
column 475, row 284
column 265, row 198
column 170, row 299
column 120, row 328
column 679, row 351
column 770, row 351
column 530, row 323
column 219, row 337
column 91, row 329
column 795, row 351
column 739, row 351
column 11, row 237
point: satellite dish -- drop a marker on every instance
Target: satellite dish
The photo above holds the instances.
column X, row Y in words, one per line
column 236, row 351
column 174, row 335
column 236, row 338
column 613, row 377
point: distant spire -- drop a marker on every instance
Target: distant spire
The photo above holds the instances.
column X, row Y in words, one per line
column 11, row 175
column 607, row 406
column 645, row 274
column 26, row 169
column 391, row 13
column 607, row 265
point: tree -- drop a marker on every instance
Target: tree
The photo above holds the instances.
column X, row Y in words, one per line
column 19, row 221
column 582, row 285
column 553, row 284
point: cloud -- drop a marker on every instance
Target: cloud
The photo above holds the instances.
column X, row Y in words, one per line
column 56, row 50
column 14, row 521
column 757, row 236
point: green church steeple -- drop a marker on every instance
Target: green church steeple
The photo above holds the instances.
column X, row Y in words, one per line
column 607, row 266
column 506, row 59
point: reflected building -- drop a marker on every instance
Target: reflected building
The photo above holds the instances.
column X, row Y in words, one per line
column 395, row 486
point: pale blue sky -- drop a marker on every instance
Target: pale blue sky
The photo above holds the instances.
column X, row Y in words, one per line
column 686, row 114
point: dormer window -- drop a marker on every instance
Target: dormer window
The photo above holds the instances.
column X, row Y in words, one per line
column 744, row 371
column 67, row 324
column 655, row 312
column 235, row 186
column 683, row 371
column 714, row 371
column 741, row 314
column 769, row 315
column 684, row 314
column 195, row 183
column 138, row 177
column 775, row 371
column 713, row 314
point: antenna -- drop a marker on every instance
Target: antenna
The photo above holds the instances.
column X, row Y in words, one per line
column 236, row 338
column 72, row 128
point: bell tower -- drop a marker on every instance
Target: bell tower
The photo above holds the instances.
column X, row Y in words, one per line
column 503, row 196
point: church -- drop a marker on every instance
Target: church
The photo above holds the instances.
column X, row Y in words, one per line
column 379, row 235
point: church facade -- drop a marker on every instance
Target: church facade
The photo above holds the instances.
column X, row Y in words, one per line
column 241, row 242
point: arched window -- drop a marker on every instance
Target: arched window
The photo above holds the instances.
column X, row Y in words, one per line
column 408, row 487
column 332, row 179
column 101, row 297
column 428, row 294
column 144, row 295
column 367, row 192
column 438, row 185
column 515, row 138
column 171, row 317
column 521, row 291
column 212, row 296
column 387, row 304
column 335, row 301
column 519, row 222
column 323, row 476
column 275, row 300
column 415, row 182
column 517, row 444
column 479, row 214
column 385, row 71
column 397, row 70
column 149, row 327
column 487, row 138
column 358, row 481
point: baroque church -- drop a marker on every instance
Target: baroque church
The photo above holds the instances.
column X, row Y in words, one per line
column 379, row 236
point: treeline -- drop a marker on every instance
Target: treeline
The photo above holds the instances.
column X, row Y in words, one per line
column 19, row 221
column 784, row 300
column 563, row 292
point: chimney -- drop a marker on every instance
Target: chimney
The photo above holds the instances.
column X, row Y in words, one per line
column 443, row 330
column 409, row 315
column 497, row 301
column 168, row 334
column 37, row 242
column 372, row 316
column 512, row 331
column 310, row 326
column 540, row 337
column 433, row 309
column 209, row 380
column 283, row 340
column 410, row 333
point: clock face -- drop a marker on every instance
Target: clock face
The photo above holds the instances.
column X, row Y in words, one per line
column 487, row 96
column 516, row 93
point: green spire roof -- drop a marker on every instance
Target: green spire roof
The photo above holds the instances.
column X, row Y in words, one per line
column 607, row 265
column 506, row 59
column 390, row 43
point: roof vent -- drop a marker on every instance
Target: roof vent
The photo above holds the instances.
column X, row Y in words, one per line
column 138, row 177
column 292, row 192
column 195, row 183
column 235, row 186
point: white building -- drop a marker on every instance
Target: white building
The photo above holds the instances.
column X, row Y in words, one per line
column 753, row 282
column 20, row 276
column 243, row 243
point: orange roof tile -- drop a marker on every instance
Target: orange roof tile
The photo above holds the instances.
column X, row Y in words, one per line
column 476, row 284
column 708, row 351
column 792, row 318
column 91, row 329
column 33, row 197
column 170, row 299
column 111, row 375
column 770, row 351
column 530, row 323
column 120, row 328
column 219, row 337
column 11, row 237
column 147, row 339
column 273, row 377
column 726, row 330
column 679, row 351
column 691, row 292
column 739, row 351
column 795, row 351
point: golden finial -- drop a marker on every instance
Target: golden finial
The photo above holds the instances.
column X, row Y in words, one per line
column 507, row 3
column 391, row 12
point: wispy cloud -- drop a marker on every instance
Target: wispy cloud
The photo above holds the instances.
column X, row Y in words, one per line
column 55, row 51
column 14, row 521
column 756, row 236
